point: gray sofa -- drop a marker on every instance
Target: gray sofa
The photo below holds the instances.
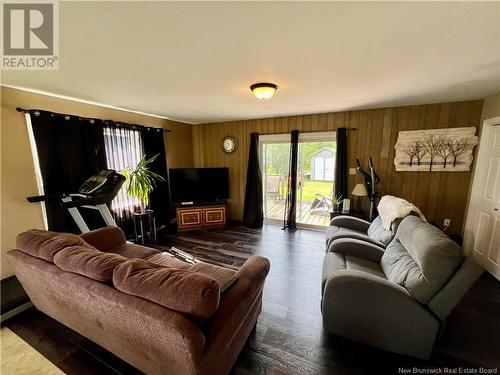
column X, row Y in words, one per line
column 352, row 227
column 397, row 299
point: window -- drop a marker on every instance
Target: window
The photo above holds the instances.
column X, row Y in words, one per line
column 124, row 149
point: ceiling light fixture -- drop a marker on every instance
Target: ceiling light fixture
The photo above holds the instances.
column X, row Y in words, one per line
column 263, row 90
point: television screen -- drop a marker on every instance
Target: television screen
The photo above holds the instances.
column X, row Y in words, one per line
column 199, row 184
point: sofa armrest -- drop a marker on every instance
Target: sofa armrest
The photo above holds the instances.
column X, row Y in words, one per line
column 105, row 238
column 375, row 311
column 239, row 298
column 357, row 248
column 450, row 295
column 350, row 222
column 235, row 318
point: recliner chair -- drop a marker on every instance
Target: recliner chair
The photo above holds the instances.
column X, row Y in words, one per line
column 398, row 299
column 352, row 227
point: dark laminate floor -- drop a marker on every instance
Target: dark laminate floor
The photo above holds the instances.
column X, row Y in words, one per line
column 289, row 337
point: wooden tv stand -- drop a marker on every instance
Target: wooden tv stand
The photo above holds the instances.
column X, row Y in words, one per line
column 202, row 216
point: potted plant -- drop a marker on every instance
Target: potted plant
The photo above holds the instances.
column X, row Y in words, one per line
column 141, row 180
column 336, row 202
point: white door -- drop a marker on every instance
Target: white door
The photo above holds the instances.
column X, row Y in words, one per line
column 319, row 166
column 329, row 168
column 482, row 230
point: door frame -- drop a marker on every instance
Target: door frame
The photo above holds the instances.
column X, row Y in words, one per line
column 308, row 136
column 475, row 192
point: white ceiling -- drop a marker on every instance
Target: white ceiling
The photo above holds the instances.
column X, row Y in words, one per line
column 194, row 62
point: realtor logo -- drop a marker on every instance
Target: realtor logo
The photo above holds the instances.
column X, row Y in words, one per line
column 30, row 36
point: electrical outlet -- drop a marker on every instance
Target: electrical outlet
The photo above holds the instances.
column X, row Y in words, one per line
column 447, row 222
column 352, row 171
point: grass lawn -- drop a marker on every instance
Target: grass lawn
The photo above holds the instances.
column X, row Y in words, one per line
column 310, row 188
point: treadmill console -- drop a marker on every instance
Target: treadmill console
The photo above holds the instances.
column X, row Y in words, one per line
column 95, row 183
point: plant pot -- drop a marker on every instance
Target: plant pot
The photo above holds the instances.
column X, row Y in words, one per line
column 146, row 211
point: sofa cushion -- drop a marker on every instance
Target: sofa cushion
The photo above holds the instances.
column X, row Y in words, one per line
column 377, row 232
column 180, row 290
column 44, row 244
column 363, row 265
column 421, row 258
column 131, row 250
column 168, row 260
column 105, row 238
column 334, row 262
column 91, row 263
column 225, row 277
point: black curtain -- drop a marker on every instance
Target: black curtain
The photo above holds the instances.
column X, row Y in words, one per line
column 340, row 182
column 70, row 150
column 159, row 199
column 290, row 217
column 253, row 214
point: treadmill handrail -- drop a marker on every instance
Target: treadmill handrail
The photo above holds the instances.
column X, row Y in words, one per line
column 46, row 197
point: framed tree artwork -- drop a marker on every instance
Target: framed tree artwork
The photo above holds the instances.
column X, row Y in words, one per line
column 444, row 150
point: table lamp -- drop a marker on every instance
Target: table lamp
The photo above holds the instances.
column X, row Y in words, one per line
column 359, row 191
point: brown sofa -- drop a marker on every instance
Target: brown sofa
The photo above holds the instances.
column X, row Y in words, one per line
column 149, row 336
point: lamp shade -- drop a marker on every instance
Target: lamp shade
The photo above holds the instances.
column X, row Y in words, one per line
column 359, row 190
column 263, row 90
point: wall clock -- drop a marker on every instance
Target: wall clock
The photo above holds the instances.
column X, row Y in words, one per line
column 229, row 144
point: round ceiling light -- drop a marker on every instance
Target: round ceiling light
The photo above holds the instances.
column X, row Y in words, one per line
column 263, row 90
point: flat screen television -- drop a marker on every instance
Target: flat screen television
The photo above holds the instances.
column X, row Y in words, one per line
column 199, row 185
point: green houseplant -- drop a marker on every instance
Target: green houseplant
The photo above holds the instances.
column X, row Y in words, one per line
column 141, row 181
column 336, row 202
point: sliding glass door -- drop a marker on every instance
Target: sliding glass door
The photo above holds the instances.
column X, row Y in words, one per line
column 275, row 158
column 316, row 169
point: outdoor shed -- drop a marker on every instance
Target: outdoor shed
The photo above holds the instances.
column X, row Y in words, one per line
column 323, row 164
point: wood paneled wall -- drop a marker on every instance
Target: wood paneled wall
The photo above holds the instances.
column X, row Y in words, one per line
column 438, row 194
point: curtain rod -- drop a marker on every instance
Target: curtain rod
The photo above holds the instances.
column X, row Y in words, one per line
column 36, row 112
column 308, row 131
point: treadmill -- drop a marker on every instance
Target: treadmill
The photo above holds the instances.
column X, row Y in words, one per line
column 96, row 193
